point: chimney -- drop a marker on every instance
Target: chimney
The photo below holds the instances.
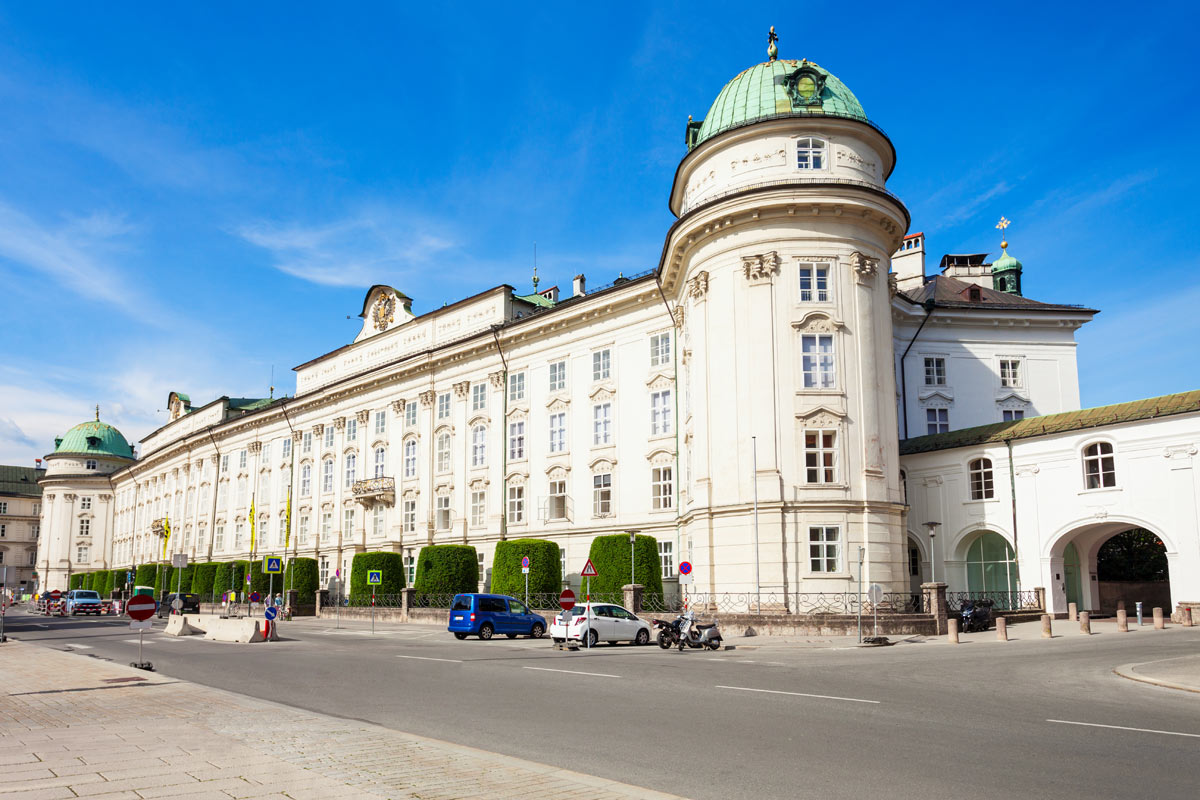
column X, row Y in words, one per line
column 578, row 287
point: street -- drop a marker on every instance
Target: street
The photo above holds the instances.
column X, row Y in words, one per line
column 770, row 718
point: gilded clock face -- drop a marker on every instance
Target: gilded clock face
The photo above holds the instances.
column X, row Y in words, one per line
column 385, row 309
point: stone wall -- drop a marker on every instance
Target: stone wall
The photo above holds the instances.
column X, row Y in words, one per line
column 1150, row 593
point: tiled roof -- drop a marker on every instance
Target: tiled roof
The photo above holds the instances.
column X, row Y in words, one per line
column 20, row 481
column 1150, row 408
column 947, row 292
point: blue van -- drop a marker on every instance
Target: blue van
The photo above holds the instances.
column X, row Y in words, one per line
column 485, row 615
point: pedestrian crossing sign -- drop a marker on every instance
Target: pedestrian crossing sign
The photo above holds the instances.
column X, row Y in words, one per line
column 374, row 577
column 272, row 565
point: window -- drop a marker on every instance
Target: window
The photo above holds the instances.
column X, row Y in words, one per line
column 351, row 429
column 85, row 503
column 980, row 473
column 380, row 423
column 442, row 517
column 1099, row 468
column 377, row 522
column 817, row 361
column 286, row 449
column 602, row 424
column 478, row 509
column 82, row 554
column 820, row 456
column 302, row 531
column 516, row 504
column 558, row 432
column 242, row 459
column 935, row 371
column 380, row 461
column 666, row 558
column 324, row 572
column 34, row 531
column 914, row 560
column 237, row 536
column 266, row 452
column 326, row 526
column 562, row 564
column 348, row 523
column 443, row 405
column 219, row 539
column 479, row 397
column 556, row 507
column 410, row 516
column 602, row 365
column 410, row 566
column 85, row 527
column 326, row 476
column 823, row 549
column 89, row 464
column 1010, row 373
column 814, row 283
column 602, row 495
column 224, row 464
column 1013, row 414
column 660, row 349
column 328, row 436
column 410, row 458
column 810, row 153
column 516, row 387
column 937, row 420
column 351, row 464
column 482, row 567
column 516, row 440
column 410, row 414
column 33, row 558
column 478, row 446
column 4, row 508
column 3, row 532
column 305, row 480
column 443, row 452
column 660, row 412
column 305, row 447
column 662, row 488
column 558, row 375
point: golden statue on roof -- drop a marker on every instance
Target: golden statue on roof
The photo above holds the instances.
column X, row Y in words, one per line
column 1000, row 226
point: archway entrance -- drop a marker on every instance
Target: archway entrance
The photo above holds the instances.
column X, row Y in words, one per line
column 1132, row 566
column 991, row 566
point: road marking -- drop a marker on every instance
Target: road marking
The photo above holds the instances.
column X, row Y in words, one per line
column 574, row 672
column 1123, row 728
column 78, row 646
column 427, row 658
column 800, row 694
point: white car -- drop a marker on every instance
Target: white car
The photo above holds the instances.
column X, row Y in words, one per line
column 599, row 622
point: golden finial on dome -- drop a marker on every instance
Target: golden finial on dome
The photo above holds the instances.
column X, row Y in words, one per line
column 97, row 412
column 772, row 47
column 1000, row 226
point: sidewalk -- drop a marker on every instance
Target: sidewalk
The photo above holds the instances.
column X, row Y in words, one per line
column 73, row 726
column 1181, row 673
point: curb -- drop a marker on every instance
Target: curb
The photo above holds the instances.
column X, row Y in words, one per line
column 1127, row 671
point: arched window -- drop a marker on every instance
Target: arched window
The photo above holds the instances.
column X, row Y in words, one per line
column 443, row 452
column 410, row 458
column 305, row 480
column 991, row 566
column 327, row 476
column 380, row 461
column 478, row 446
column 1099, row 467
column 810, row 153
column 351, row 467
column 980, row 473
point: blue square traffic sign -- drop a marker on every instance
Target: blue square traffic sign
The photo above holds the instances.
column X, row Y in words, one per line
column 374, row 577
column 272, row 565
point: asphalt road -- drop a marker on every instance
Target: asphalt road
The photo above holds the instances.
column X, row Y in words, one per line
column 981, row 720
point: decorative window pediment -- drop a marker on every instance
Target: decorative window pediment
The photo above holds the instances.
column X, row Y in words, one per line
column 602, row 464
column 821, row 417
column 659, row 381
column 479, row 484
column 350, row 451
column 445, row 427
column 411, row 494
column 516, row 479
column 818, row 322
column 1012, row 399
column 937, row 398
column 443, row 489
column 557, row 472
column 660, row 457
column 558, row 403
column 602, row 394
column 518, row 415
column 479, row 419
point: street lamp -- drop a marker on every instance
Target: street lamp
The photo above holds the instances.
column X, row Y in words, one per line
column 632, row 539
column 933, row 526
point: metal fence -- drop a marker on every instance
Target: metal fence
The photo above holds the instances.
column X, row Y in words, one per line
column 1024, row 600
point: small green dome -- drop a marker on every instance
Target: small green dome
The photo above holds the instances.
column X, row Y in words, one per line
column 1005, row 262
column 94, row 438
column 777, row 89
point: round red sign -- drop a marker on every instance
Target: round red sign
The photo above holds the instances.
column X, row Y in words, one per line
column 566, row 600
column 140, row 607
column 55, row 595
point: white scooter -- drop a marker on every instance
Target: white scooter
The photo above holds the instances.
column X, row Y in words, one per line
column 698, row 636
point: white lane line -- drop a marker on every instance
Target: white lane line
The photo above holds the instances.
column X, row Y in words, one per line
column 135, row 641
column 78, row 646
column 800, row 694
column 427, row 658
column 1123, row 728
column 574, row 672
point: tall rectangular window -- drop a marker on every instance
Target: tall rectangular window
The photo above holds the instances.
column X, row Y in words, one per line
column 410, row 567
column 666, row 558
column 410, row 516
column 935, row 371
column 556, row 506
column 516, row 440
column 558, row 375
column 301, row 531
column 602, row 423
column 3, row 508
column 810, row 153
column 348, row 522
column 238, row 531
column 824, row 548
column 516, row 504
column 219, row 538
column 479, row 397
column 328, row 436
column 979, row 472
column 662, row 488
column 351, row 429
column 814, row 283
column 443, row 405
column 410, row 414
column 326, row 527
column 478, row 508
column 660, row 412
column 410, row 458
column 82, row 554
column 305, row 447
column 242, row 459
column 558, row 432
column 660, row 349
column 818, row 363
column 305, row 482
column 1010, row 373
column 937, row 420
column 820, row 456
column 287, row 448
column 479, row 446
column 85, row 527
column 443, row 452
column 516, row 387
column 442, row 512
column 380, row 461
column 602, row 365
column 351, row 469
column 326, row 479
column 85, row 503
column 602, row 495
column 377, row 522
column 380, row 423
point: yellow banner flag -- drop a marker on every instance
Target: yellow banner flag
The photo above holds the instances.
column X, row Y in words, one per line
column 287, row 523
column 166, row 535
column 252, row 523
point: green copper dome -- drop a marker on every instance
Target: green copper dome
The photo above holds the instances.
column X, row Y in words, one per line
column 777, row 89
column 1005, row 261
column 94, row 438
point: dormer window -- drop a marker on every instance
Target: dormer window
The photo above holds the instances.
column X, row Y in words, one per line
column 810, row 153
column 93, row 441
column 974, row 295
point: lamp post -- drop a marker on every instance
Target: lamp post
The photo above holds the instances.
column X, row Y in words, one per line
column 632, row 540
column 933, row 526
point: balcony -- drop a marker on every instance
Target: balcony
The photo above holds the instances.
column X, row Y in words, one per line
column 375, row 490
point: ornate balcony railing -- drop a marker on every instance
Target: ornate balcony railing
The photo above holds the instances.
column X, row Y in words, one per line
column 375, row 489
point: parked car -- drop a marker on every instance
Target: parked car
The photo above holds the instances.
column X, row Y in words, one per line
column 84, row 601
column 191, row 603
column 485, row 615
column 597, row 622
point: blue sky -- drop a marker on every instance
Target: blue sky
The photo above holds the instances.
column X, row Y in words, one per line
column 193, row 194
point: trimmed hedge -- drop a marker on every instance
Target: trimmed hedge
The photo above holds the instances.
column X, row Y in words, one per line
column 610, row 556
column 223, row 578
column 447, row 569
column 164, row 580
column 117, row 581
column 392, row 565
column 102, row 583
column 545, row 567
column 302, row 576
column 88, row 578
column 202, row 578
column 145, row 575
column 76, row 581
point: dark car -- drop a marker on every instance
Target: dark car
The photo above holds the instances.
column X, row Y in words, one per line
column 485, row 615
column 191, row 603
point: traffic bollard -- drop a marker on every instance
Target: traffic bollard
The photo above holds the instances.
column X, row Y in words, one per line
column 952, row 630
column 1002, row 629
column 1120, row 605
column 1185, row 615
column 1085, row 623
column 1159, row 623
column 1047, row 631
column 1122, row 621
column 1139, row 613
column 1072, row 612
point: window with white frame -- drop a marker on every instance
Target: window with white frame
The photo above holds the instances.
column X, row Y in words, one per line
column 305, row 480
column 935, row 371
column 380, row 423
column 323, row 571
column 225, row 462
column 666, row 558
column 410, row 458
column 409, row 518
column 660, row 349
column 1012, row 414
column 33, row 558
column 479, row 397
column 1010, row 373
column 305, row 447
column 351, row 468
column 602, row 424
column 478, row 508
column 328, row 436
column 1099, row 466
column 937, row 420
column 516, row 504
column 814, row 282
column 286, row 449
column 35, row 530
column 219, row 539
column 979, row 473
column 810, row 153
column 562, row 564
column 348, row 522
column 556, row 506
column 85, row 527
column 479, row 446
column 380, row 461
column 602, row 495
column 660, row 412
column 558, row 375
column 410, row 414
column 238, row 530
column 516, row 440
column 817, row 357
column 326, row 526
column 326, row 477
column 351, row 429
column 443, row 405
column 558, row 432
column 824, row 548
column 3, row 508
column 280, row 534
column 516, row 387
column 443, row 452
column 410, row 568
column 85, row 503
column 820, row 456
column 602, row 365
column 662, row 488
column 90, row 464
column 242, row 459
column 82, row 554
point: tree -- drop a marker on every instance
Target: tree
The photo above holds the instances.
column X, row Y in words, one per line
column 1135, row 555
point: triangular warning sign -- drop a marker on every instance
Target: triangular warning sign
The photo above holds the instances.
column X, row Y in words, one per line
column 589, row 570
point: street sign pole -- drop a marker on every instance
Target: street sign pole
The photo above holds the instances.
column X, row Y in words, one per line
column 372, row 610
column 3, row 602
column 526, row 589
column 588, row 595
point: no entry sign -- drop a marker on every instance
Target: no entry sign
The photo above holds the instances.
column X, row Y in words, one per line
column 140, row 607
column 566, row 600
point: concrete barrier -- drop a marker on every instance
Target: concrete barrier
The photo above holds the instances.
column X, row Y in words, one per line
column 952, row 630
column 216, row 629
column 177, row 625
column 1122, row 621
column 1159, row 623
column 1072, row 612
column 1047, row 630
column 1085, row 622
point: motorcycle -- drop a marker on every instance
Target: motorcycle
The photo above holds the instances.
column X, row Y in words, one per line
column 976, row 615
column 684, row 632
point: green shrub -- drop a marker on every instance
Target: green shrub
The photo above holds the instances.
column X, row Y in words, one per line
column 392, row 565
column 76, row 581
column 240, row 568
column 102, row 583
column 545, row 567
column 163, row 582
column 223, row 578
column 88, row 578
column 117, row 580
column 181, row 579
column 447, row 569
column 302, row 576
column 610, row 557
column 202, row 578
column 145, row 575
